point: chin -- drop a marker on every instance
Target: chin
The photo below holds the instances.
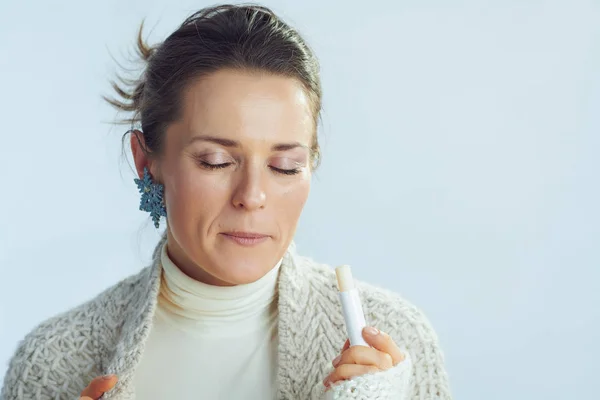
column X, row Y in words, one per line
column 241, row 263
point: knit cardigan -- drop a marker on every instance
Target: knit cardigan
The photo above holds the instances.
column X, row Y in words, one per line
column 107, row 334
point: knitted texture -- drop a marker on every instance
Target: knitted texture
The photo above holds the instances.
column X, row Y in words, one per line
column 107, row 335
column 393, row 384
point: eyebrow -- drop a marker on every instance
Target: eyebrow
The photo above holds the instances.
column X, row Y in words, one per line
column 232, row 143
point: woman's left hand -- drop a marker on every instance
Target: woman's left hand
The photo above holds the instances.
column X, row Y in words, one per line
column 360, row 360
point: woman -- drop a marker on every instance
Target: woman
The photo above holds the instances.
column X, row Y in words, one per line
column 225, row 145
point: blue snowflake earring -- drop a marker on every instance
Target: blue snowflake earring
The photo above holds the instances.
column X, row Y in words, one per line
column 152, row 197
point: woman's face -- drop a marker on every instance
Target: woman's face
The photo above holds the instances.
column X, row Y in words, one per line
column 236, row 171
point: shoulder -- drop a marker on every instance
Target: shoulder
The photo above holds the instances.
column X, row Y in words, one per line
column 386, row 307
column 60, row 355
column 397, row 316
column 381, row 304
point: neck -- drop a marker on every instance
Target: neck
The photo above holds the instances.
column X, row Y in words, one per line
column 204, row 309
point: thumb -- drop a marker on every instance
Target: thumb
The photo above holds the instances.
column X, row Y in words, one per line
column 98, row 386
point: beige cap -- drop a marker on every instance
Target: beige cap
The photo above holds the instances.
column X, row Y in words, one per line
column 344, row 278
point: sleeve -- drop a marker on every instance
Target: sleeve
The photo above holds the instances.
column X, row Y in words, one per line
column 41, row 368
column 20, row 380
column 392, row 384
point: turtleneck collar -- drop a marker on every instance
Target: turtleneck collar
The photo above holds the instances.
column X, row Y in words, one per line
column 205, row 309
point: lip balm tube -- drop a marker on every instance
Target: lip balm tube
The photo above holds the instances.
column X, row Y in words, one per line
column 351, row 307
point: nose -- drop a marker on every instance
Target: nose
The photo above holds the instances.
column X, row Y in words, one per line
column 250, row 193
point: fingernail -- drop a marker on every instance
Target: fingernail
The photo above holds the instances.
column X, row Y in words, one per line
column 372, row 331
column 107, row 377
column 336, row 360
column 326, row 381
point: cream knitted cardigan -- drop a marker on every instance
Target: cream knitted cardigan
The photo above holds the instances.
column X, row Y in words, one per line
column 106, row 335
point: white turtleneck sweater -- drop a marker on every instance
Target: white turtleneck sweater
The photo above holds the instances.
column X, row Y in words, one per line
column 210, row 342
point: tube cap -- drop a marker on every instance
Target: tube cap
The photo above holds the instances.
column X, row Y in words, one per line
column 344, row 278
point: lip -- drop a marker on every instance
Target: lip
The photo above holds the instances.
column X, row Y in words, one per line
column 246, row 238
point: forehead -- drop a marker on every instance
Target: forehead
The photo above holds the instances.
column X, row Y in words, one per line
column 248, row 105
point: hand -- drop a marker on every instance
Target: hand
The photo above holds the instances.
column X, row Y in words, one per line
column 359, row 360
column 98, row 386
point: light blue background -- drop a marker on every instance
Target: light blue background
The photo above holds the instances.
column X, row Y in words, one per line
column 460, row 169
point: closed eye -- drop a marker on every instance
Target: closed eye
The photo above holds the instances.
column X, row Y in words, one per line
column 214, row 166
column 286, row 171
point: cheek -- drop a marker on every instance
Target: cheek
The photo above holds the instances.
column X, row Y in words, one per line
column 294, row 199
column 194, row 197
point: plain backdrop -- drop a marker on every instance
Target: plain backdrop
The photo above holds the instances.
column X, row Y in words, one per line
column 460, row 169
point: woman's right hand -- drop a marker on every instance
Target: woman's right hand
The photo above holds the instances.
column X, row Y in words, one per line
column 98, row 386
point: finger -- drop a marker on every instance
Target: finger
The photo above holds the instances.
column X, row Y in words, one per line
column 348, row 371
column 383, row 342
column 98, row 386
column 363, row 355
column 346, row 345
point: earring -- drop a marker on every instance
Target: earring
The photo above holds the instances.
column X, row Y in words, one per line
column 152, row 197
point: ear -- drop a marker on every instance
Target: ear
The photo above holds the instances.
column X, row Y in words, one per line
column 140, row 157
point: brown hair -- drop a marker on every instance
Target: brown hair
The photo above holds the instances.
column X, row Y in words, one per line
column 246, row 37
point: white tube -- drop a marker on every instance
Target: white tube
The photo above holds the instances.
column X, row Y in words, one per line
column 351, row 307
column 354, row 317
